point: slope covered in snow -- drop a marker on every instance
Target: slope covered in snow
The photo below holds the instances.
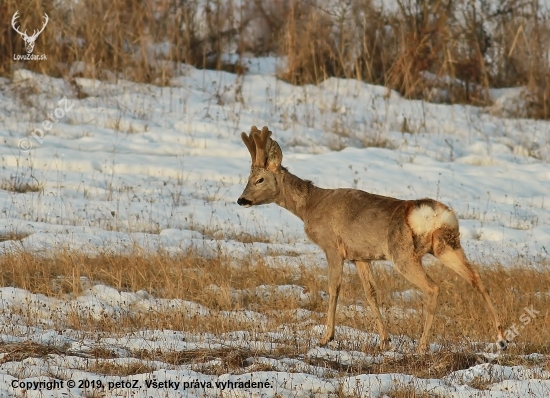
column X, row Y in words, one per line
column 125, row 167
column 162, row 166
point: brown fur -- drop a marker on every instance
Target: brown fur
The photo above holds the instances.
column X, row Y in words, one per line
column 358, row 226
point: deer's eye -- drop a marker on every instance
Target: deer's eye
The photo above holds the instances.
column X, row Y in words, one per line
column 259, row 181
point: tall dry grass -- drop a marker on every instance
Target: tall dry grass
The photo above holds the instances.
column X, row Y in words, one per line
column 437, row 50
column 138, row 40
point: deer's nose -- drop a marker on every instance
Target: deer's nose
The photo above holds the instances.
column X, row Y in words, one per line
column 243, row 202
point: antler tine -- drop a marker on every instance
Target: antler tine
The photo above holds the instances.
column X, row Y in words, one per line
column 261, row 138
column 254, row 130
column 249, row 142
column 265, row 131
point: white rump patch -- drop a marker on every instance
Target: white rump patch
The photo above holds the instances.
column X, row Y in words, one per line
column 424, row 219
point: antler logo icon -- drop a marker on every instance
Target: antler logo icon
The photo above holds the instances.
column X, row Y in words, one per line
column 29, row 40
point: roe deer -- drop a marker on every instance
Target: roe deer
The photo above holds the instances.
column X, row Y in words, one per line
column 349, row 224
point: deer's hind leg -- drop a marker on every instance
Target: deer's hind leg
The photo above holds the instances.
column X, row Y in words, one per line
column 446, row 244
column 365, row 272
column 411, row 268
column 408, row 261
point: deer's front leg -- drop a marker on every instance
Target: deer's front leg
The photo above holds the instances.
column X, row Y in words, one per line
column 335, row 267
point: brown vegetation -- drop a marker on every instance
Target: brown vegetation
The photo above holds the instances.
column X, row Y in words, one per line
column 438, row 50
column 189, row 276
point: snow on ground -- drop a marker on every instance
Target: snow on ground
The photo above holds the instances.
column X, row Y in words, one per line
column 131, row 166
column 294, row 377
column 163, row 166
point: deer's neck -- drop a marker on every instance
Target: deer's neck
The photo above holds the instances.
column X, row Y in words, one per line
column 294, row 193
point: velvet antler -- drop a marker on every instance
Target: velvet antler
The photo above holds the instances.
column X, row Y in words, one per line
column 260, row 145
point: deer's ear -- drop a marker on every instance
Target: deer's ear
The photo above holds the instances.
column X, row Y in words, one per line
column 274, row 157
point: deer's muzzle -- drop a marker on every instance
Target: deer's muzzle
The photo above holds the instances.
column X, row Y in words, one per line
column 244, row 202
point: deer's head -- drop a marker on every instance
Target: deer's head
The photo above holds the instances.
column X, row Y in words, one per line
column 262, row 187
column 29, row 40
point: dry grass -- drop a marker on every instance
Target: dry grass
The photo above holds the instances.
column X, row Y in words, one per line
column 407, row 392
column 18, row 186
column 461, row 315
column 232, row 360
column 12, row 235
column 112, row 368
column 20, row 351
column 102, row 362
column 438, row 50
column 424, row 366
column 111, row 39
column 189, row 277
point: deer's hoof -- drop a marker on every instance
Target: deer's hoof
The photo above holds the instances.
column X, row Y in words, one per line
column 385, row 344
column 422, row 348
column 325, row 340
